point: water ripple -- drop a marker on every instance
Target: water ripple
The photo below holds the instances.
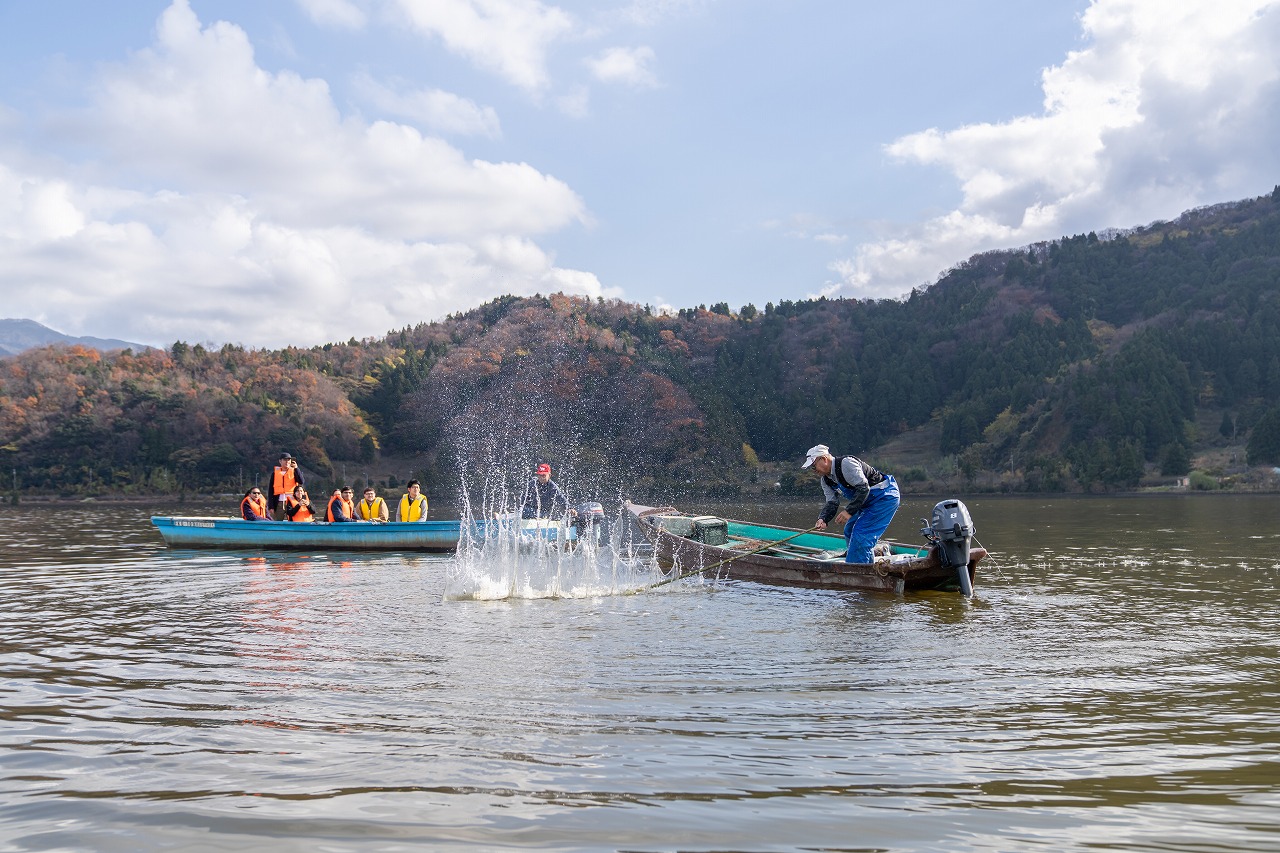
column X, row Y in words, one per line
column 1117, row 695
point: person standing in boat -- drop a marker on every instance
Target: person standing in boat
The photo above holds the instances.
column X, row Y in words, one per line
column 298, row 506
column 341, row 507
column 413, row 506
column 873, row 499
column 253, row 506
column 284, row 477
column 372, row 507
column 542, row 497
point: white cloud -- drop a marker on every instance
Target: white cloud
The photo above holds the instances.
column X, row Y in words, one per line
column 648, row 13
column 627, row 65
column 341, row 14
column 806, row 227
column 432, row 109
column 1173, row 104
column 169, row 266
column 258, row 214
column 36, row 210
column 507, row 37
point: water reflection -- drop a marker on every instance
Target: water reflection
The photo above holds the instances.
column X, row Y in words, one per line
column 1112, row 686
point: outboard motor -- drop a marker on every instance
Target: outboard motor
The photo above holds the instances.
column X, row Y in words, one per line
column 952, row 530
column 590, row 522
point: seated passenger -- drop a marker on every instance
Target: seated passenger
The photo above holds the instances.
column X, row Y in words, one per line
column 297, row 506
column 253, row 506
column 341, row 507
column 413, row 506
column 372, row 507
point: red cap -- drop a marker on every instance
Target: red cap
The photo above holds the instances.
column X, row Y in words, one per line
column 544, row 468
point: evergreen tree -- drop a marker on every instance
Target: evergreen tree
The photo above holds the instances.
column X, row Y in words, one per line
column 1174, row 460
column 1264, row 442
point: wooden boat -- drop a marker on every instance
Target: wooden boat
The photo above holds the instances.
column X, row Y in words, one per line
column 785, row 555
column 236, row 533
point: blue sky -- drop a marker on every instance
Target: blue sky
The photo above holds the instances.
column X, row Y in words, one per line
column 303, row 171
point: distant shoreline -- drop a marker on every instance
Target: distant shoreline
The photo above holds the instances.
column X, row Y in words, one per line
column 717, row 499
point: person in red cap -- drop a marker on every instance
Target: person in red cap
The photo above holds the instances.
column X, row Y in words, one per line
column 542, row 497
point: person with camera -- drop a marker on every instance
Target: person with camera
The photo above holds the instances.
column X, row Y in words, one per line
column 284, row 477
column 298, row 506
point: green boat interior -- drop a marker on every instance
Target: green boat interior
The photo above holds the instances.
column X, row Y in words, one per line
column 743, row 536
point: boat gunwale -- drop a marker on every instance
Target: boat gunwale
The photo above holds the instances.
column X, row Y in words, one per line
column 238, row 534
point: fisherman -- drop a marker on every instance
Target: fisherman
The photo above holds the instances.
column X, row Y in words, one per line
column 298, row 506
column 341, row 508
column 253, row 506
column 284, row 477
column 413, row 506
column 542, row 497
column 371, row 507
column 873, row 499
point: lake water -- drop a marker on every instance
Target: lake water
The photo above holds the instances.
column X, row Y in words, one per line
column 1112, row 686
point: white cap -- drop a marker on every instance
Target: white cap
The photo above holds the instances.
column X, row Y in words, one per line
column 814, row 452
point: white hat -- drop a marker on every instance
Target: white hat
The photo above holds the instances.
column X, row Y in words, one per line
column 814, row 452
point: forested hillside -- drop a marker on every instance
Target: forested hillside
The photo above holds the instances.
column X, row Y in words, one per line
column 1088, row 363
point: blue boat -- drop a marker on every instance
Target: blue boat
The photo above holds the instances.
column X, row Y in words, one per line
column 236, row 533
column 441, row 536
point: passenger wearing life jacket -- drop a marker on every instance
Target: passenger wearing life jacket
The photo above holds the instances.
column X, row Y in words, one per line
column 341, row 507
column 253, row 506
column 372, row 507
column 413, row 506
column 873, row 499
column 297, row 506
column 284, row 477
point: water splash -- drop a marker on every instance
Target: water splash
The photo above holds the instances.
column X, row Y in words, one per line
column 499, row 558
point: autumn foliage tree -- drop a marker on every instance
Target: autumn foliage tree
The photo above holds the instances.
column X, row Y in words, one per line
column 163, row 421
column 1084, row 363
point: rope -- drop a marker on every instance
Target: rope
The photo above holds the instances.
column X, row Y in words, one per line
column 990, row 557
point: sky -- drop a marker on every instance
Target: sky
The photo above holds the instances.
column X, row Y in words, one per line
column 305, row 171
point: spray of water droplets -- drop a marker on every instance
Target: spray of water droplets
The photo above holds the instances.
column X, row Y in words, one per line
column 500, row 557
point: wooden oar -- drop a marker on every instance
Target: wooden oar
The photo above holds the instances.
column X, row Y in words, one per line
column 691, row 572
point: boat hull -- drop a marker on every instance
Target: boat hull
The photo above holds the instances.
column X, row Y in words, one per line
column 236, row 534
column 911, row 567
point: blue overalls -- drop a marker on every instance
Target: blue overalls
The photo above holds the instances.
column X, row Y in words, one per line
column 865, row 528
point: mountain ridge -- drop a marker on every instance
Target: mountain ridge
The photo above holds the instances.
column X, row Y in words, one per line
column 1082, row 364
column 18, row 335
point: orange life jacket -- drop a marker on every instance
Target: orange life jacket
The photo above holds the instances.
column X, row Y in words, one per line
column 282, row 481
column 303, row 514
column 251, row 506
column 346, row 505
